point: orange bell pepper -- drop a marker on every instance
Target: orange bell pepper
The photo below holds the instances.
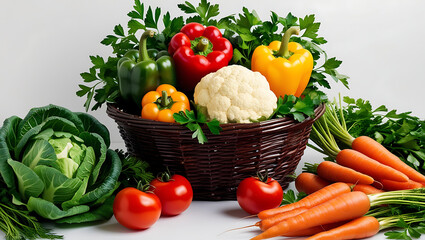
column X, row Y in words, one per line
column 286, row 65
column 161, row 104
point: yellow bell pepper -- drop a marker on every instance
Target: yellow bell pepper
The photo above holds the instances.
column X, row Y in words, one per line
column 286, row 65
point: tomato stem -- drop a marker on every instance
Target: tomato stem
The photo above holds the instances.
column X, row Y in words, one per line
column 144, row 187
column 263, row 177
column 165, row 176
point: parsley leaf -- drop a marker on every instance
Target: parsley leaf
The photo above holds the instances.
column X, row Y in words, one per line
column 181, row 118
column 298, row 108
column 151, row 20
column 88, row 77
column 139, row 10
column 134, row 170
column 291, row 197
column 397, row 235
column 287, row 22
column 214, row 126
column 194, row 121
column 187, row 7
column 205, row 11
column 311, row 27
column 119, row 30
column 134, row 25
column 408, row 232
column 332, row 63
column 247, row 20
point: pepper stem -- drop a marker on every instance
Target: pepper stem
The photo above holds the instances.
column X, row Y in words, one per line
column 143, row 50
column 164, row 101
column 283, row 50
column 202, row 44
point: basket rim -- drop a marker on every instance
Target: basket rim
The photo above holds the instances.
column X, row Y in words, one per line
column 114, row 111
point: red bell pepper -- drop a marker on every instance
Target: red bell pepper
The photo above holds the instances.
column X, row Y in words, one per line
column 193, row 55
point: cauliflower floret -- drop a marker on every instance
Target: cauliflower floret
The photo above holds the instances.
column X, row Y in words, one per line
column 235, row 94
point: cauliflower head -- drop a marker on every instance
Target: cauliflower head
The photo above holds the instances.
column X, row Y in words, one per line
column 235, row 94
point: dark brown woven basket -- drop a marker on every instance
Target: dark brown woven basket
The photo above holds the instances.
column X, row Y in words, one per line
column 215, row 168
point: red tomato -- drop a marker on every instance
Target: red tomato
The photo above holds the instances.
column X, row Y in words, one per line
column 135, row 209
column 176, row 194
column 255, row 196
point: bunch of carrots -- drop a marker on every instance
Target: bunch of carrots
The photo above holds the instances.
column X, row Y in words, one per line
column 346, row 190
column 337, row 212
column 363, row 162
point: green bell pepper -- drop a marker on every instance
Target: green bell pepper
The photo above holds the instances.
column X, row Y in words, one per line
column 141, row 71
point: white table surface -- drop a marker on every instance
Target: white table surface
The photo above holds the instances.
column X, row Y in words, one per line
column 206, row 220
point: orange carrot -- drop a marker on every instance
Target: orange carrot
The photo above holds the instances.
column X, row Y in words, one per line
column 309, row 183
column 346, row 206
column 361, row 227
column 336, row 173
column 394, row 185
column 314, row 230
column 375, row 150
column 377, row 184
column 368, row 189
column 266, row 223
column 314, row 199
column 364, row 164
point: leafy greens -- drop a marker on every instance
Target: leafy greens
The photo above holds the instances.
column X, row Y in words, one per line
column 57, row 164
column 246, row 31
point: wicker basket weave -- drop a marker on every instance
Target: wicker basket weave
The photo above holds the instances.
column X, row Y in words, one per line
column 215, row 168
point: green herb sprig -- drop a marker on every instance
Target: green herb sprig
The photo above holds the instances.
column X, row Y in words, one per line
column 291, row 197
column 298, row 108
column 203, row 13
column 408, row 231
column 134, row 170
column 17, row 223
column 194, row 121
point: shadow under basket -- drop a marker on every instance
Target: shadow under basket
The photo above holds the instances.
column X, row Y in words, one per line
column 216, row 168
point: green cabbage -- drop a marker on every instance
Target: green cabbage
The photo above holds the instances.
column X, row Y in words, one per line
column 58, row 164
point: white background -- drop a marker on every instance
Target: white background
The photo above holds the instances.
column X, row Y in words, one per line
column 45, row 45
